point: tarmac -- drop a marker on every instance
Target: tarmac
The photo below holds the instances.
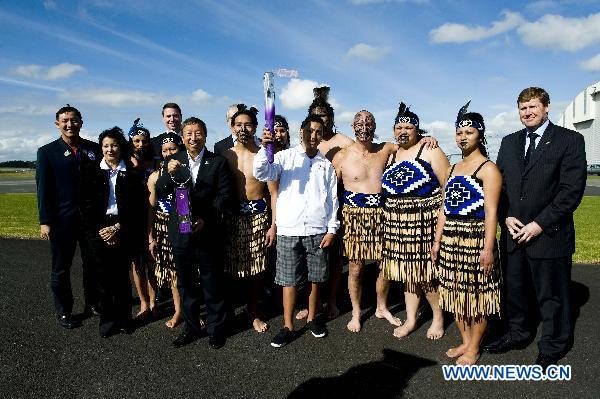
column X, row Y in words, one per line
column 38, row 358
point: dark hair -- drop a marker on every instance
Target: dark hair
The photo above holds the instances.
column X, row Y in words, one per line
column 171, row 105
column 243, row 110
column 281, row 119
column 115, row 133
column 66, row 109
column 312, row 118
column 321, row 100
column 474, row 116
column 192, row 120
column 530, row 93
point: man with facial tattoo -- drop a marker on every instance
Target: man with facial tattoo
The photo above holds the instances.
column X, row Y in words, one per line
column 248, row 231
column 359, row 167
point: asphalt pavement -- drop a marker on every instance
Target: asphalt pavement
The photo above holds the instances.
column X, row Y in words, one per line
column 40, row 359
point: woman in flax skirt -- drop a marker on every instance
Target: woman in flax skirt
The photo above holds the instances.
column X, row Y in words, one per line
column 411, row 183
column 465, row 239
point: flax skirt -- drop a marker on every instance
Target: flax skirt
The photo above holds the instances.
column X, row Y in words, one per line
column 464, row 289
column 408, row 231
column 362, row 233
column 246, row 249
column 164, row 267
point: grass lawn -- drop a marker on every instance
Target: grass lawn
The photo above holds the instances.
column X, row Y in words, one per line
column 20, row 175
column 18, row 213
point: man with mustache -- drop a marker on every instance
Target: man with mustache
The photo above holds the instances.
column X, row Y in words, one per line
column 359, row 167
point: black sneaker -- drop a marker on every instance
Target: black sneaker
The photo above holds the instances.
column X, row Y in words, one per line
column 284, row 337
column 316, row 329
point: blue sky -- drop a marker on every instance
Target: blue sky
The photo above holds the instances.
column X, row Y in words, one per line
column 117, row 60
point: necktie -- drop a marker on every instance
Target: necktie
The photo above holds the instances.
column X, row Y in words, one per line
column 531, row 147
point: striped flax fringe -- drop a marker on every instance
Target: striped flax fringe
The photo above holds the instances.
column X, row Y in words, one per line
column 164, row 265
column 408, row 231
column 246, row 249
column 362, row 233
column 464, row 289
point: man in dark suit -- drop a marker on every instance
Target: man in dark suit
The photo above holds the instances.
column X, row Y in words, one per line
column 57, row 178
column 208, row 180
column 228, row 142
column 171, row 115
column 544, row 171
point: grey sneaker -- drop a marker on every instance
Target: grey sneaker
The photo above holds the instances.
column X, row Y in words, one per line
column 316, row 329
column 283, row 337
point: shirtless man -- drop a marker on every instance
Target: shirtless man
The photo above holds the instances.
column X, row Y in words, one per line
column 360, row 167
column 248, row 230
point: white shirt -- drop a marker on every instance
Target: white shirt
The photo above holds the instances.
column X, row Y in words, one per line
column 307, row 203
column 540, row 132
column 194, row 164
column 112, row 208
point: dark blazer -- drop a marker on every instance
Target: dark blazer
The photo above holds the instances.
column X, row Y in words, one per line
column 547, row 191
column 57, row 180
column 131, row 197
column 209, row 197
column 223, row 145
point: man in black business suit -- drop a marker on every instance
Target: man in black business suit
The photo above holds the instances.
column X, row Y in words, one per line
column 228, row 142
column 57, row 179
column 171, row 115
column 208, row 179
column 544, row 171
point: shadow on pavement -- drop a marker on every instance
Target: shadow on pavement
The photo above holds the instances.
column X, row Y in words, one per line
column 385, row 378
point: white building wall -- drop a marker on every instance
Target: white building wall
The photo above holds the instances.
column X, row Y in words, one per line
column 583, row 115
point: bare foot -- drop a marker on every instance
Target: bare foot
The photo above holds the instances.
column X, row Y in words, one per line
column 174, row 321
column 436, row 330
column 302, row 314
column 468, row 359
column 457, row 351
column 332, row 311
column 259, row 325
column 385, row 314
column 354, row 324
column 143, row 312
column 406, row 329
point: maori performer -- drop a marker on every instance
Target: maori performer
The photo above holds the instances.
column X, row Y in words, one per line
column 158, row 231
column 411, row 183
column 359, row 167
column 465, row 239
column 248, row 226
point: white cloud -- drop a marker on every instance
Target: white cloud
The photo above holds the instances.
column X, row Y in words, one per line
column 49, row 5
column 542, row 6
column 563, row 33
column 55, row 72
column 201, row 96
column 460, row 33
column 367, row 52
column 28, row 110
column 344, row 117
column 297, row 93
column 112, row 97
column 21, row 144
column 29, row 84
column 593, row 64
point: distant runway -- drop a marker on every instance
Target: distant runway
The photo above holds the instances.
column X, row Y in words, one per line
column 17, row 186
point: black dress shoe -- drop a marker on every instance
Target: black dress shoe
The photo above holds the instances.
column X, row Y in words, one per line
column 546, row 360
column 503, row 345
column 184, row 338
column 216, row 341
column 67, row 321
column 127, row 328
column 93, row 310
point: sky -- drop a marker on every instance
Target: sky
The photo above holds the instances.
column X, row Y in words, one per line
column 119, row 60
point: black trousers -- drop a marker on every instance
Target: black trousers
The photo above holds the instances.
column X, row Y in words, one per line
column 114, row 285
column 550, row 280
column 63, row 241
column 190, row 283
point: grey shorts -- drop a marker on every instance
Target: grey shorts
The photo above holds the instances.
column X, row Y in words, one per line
column 299, row 259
